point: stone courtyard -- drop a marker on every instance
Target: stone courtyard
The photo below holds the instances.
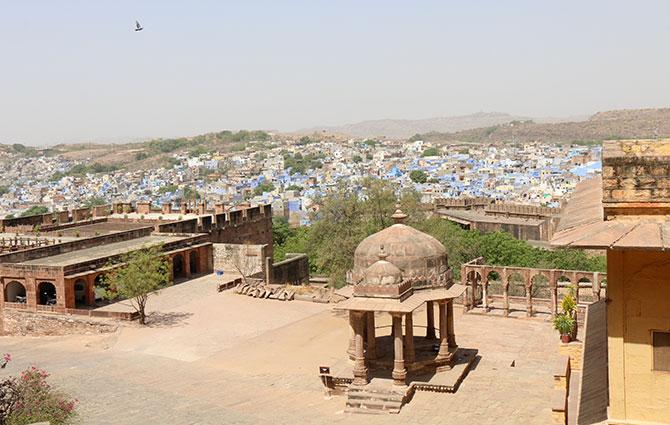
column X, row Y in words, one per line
column 221, row 358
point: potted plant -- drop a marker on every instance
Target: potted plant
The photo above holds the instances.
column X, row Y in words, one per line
column 569, row 306
column 564, row 324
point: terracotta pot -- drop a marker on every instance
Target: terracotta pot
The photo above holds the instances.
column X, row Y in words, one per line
column 565, row 338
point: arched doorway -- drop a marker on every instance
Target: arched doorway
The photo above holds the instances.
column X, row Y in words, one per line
column 15, row 292
column 193, row 262
column 46, row 292
column 80, row 292
column 178, row 267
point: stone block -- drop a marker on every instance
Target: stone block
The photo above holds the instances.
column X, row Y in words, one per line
column 609, row 172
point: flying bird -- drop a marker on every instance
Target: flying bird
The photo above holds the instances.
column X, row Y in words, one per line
column 138, row 27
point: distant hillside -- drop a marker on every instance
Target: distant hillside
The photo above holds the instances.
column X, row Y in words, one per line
column 620, row 124
column 407, row 128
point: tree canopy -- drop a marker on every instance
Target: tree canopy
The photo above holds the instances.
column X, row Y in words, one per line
column 35, row 210
column 348, row 215
column 418, row 176
column 141, row 273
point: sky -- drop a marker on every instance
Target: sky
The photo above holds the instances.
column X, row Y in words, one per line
column 75, row 71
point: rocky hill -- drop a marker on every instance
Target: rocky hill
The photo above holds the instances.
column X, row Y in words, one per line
column 406, row 128
column 619, row 124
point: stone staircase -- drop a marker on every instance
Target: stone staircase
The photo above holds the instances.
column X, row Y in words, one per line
column 375, row 399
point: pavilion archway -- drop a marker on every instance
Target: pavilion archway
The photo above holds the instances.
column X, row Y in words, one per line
column 178, row 270
column 15, row 292
column 194, row 267
column 46, row 293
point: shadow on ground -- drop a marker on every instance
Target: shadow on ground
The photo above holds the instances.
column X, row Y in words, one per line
column 167, row 320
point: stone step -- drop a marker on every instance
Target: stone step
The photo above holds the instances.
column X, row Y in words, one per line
column 376, row 396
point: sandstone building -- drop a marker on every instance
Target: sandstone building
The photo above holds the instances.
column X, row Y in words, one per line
column 60, row 267
column 626, row 213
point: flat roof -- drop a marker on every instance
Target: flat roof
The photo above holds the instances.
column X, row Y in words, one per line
column 480, row 216
column 102, row 251
column 407, row 305
column 582, row 224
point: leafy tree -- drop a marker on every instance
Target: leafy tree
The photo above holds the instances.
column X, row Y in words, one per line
column 35, row 210
column 191, row 193
column 349, row 214
column 370, row 142
column 357, row 159
column 140, row 274
column 295, row 187
column 9, row 216
column 263, row 187
column 431, row 152
column 168, row 188
column 94, row 201
column 3, row 190
column 418, row 176
column 139, row 156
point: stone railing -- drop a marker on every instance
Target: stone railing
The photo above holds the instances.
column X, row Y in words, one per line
column 526, row 286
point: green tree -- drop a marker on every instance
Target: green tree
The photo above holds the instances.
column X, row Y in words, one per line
column 3, row 190
column 191, row 194
column 418, row 176
column 35, row 210
column 357, row 159
column 140, row 274
column 94, row 201
column 263, row 187
column 431, row 152
column 168, row 188
column 295, row 187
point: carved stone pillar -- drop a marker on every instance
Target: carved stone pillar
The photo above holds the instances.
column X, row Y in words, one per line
column 506, row 298
column 554, row 299
column 451, row 335
column 351, row 350
column 485, row 300
column 372, row 338
column 529, row 301
column 410, row 355
column 443, row 354
column 399, row 372
column 360, row 370
column 430, row 320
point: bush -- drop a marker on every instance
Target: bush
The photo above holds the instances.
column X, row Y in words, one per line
column 29, row 399
column 564, row 323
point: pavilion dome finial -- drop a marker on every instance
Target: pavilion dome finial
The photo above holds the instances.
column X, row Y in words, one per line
column 382, row 272
column 398, row 216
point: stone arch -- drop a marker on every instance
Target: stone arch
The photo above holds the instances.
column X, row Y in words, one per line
column 495, row 282
column 586, row 293
column 15, row 292
column 516, row 284
column 193, row 264
column 178, row 270
column 473, row 289
column 46, row 293
column 540, row 287
column 80, row 292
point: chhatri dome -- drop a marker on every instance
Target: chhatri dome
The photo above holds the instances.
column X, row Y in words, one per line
column 382, row 272
column 421, row 258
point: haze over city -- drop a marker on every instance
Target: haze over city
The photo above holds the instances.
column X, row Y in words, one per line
column 76, row 71
column 334, row 212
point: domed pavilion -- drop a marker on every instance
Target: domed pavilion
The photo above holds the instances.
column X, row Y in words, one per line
column 397, row 271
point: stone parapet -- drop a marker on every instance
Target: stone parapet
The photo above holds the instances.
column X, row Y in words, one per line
column 636, row 177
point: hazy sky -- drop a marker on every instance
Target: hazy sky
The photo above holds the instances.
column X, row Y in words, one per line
column 76, row 70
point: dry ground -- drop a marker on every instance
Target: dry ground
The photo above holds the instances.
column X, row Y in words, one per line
column 222, row 358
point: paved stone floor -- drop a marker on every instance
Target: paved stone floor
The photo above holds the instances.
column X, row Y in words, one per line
column 222, row 358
